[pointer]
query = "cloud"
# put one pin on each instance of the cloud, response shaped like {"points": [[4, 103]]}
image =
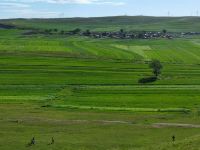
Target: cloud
{"points": [[31, 13], [28, 9], [84, 2], [10, 5], [21, 9], [97, 2]]}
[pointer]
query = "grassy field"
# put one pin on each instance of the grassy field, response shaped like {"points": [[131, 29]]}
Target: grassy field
{"points": [[85, 93]]}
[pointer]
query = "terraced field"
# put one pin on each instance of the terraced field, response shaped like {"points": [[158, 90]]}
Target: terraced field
{"points": [[169, 51], [85, 92]]}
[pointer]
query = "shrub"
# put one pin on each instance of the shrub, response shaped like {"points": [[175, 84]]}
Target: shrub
{"points": [[147, 80]]}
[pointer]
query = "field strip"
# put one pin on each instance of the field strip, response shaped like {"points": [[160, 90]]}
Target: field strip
{"points": [[22, 97], [142, 86], [120, 108], [63, 122], [160, 125], [99, 86]]}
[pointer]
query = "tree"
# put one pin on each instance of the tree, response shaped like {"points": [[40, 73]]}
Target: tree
{"points": [[76, 31], [164, 31], [87, 33], [122, 30], [122, 33], [48, 31], [156, 66]]}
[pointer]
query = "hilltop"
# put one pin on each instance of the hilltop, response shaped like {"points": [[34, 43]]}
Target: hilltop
{"points": [[115, 23]]}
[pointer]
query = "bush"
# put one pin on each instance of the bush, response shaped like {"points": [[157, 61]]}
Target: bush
{"points": [[76, 31], [147, 80]]}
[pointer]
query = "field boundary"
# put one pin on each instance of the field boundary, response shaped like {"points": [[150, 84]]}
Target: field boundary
{"points": [[121, 108]]}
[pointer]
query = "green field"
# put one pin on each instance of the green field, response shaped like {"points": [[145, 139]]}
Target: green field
{"points": [[85, 93]]}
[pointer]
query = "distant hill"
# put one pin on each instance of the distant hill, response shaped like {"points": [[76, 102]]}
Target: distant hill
{"points": [[146, 23]]}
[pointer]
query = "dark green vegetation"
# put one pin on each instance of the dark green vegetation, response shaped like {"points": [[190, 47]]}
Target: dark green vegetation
{"points": [[156, 67], [85, 93]]}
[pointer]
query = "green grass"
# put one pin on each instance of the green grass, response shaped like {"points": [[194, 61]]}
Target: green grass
{"points": [[120, 108], [85, 92], [170, 51], [78, 129]]}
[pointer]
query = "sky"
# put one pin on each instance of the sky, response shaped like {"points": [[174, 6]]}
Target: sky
{"points": [[96, 8]]}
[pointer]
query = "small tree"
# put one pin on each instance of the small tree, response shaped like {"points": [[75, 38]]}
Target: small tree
{"points": [[164, 31], [156, 66], [122, 30], [76, 31], [87, 32]]}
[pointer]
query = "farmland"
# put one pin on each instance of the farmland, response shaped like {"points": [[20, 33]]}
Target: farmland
{"points": [[84, 92]]}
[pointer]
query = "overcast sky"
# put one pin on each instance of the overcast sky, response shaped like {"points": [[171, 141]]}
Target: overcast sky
{"points": [[92, 8]]}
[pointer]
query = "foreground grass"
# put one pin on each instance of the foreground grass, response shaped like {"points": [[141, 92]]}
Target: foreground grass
{"points": [[88, 129]]}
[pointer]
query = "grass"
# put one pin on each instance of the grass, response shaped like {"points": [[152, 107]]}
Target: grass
{"points": [[121, 108], [85, 92], [170, 51], [78, 129]]}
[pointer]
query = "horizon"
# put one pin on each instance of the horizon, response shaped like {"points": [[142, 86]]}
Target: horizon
{"points": [[12, 9], [105, 17]]}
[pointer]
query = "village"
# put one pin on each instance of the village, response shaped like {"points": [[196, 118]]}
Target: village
{"points": [[121, 34], [129, 35], [132, 34], [116, 34]]}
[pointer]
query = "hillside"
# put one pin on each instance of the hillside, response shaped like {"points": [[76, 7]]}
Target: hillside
{"points": [[176, 24], [179, 51], [84, 92]]}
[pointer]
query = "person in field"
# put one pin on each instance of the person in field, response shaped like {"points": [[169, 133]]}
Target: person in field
{"points": [[52, 140], [33, 141], [173, 138]]}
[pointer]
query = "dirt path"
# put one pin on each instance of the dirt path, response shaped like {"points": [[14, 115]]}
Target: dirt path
{"points": [[55, 121], [161, 125], [63, 122]]}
